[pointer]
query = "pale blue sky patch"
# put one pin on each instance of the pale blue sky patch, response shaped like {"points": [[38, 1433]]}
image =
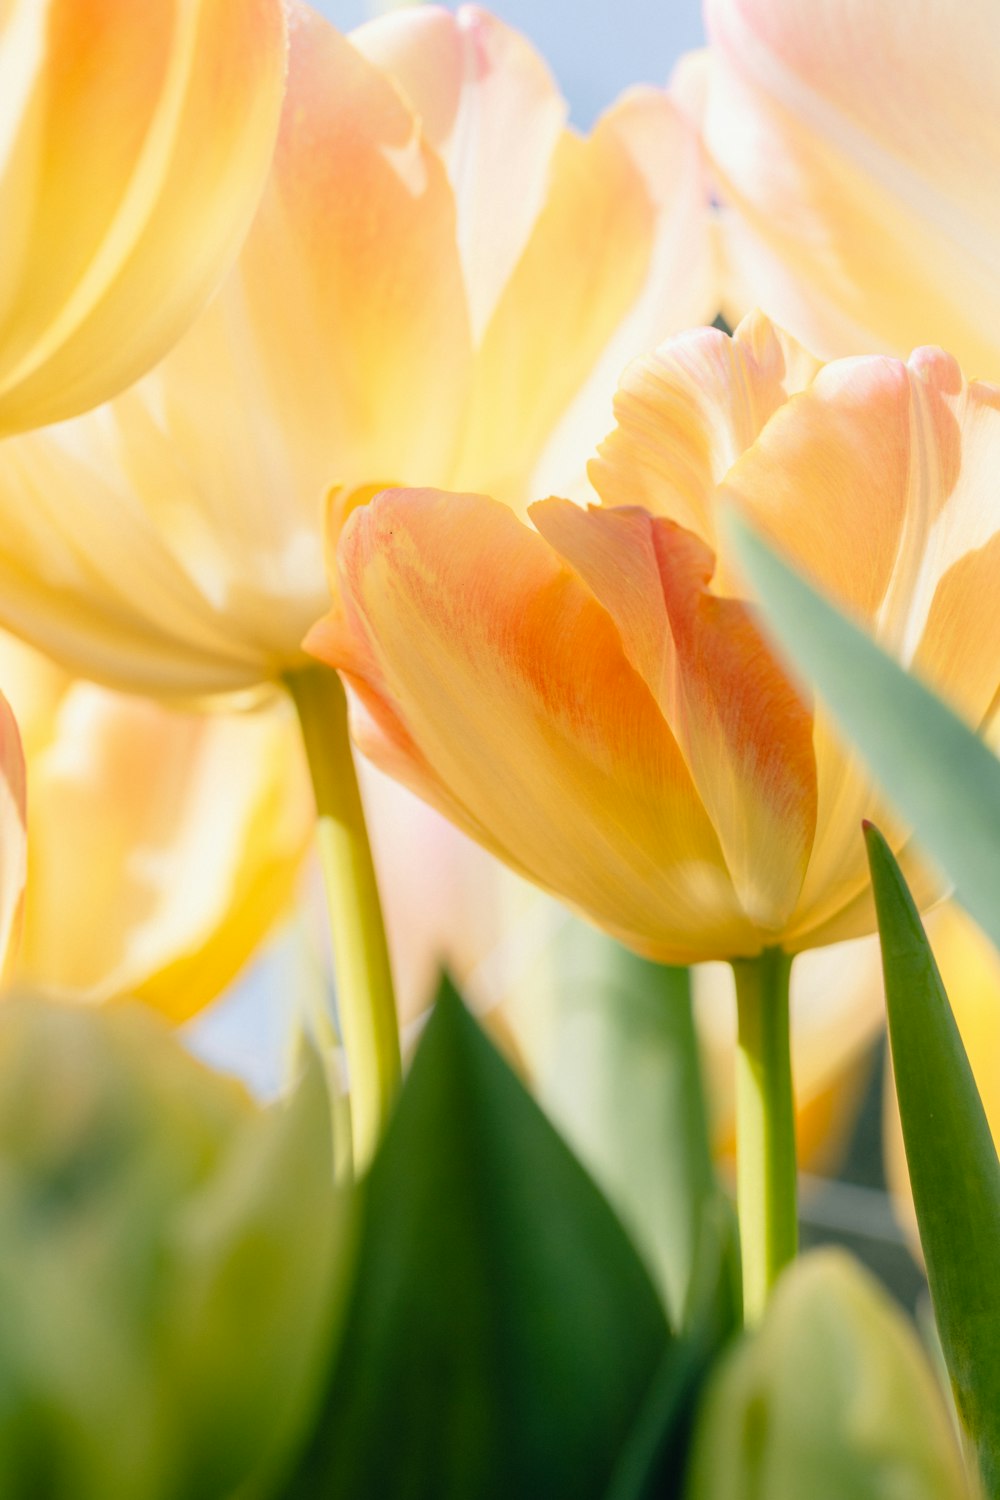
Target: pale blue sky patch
{"points": [[595, 48]]}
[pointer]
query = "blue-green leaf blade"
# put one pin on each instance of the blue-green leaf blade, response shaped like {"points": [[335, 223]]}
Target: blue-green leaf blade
{"points": [[943, 780]]}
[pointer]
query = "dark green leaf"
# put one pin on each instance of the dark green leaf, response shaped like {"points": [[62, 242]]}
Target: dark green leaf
{"points": [[942, 778], [653, 1463], [503, 1332], [952, 1161]]}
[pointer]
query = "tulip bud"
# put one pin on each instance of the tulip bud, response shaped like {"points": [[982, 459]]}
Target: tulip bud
{"points": [[832, 1396]]}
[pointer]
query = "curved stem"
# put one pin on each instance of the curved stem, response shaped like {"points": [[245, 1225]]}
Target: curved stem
{"points": [[365, 1002], [765, 1126]]}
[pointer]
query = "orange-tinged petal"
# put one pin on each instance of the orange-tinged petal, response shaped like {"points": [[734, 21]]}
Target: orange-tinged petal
{"points": [[185, 833], [134, 142], [490, 108], [363, 356], [855, 142], [686, 413], [744, 731], [459, 622], [602, 250]]}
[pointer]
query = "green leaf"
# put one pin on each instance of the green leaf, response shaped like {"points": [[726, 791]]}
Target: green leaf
{"points": [[653, 1462], [169, 1252], [952, 1160], [939, 775], [503, 1332], [625, 1088]]}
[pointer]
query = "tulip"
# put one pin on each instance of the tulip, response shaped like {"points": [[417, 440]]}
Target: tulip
{"points": [[657, 768], [186, 832], [832, 1396], [855, 149], [441, 286], [134, 143]]}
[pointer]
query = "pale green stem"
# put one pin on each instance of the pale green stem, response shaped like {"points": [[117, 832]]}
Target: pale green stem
{"points": [[765, 1127], [365, 1001]]}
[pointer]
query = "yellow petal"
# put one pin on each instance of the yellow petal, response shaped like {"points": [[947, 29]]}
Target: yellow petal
{"points": [[490, 108], [616, 261], [686, 414], [171, 541], [13, 835], [134, 142], [459, 619], [858, 145], [184, 834]]}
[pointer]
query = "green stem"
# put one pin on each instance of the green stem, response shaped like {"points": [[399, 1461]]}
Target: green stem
{"points": [[765, 1126], [365, 1001]]}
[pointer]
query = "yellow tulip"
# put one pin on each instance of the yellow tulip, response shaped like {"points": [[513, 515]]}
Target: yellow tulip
{"points": [[441, 286], [162, 845], [857, 147], [590, 696], [134, 143]]}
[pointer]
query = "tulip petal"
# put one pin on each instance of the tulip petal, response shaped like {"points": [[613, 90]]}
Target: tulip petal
{"points": [[743, 730], [855, 142], [134, 142], [490, 108], [879, 481], [13, 835], [681, 288], [459, 619], [368, 341], [187, 832], [603, 234], [170, 542], [686, 413]]}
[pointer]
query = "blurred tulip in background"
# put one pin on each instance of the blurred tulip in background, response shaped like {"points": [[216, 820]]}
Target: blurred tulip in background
{"points": [[134, 143], [441, 319]]}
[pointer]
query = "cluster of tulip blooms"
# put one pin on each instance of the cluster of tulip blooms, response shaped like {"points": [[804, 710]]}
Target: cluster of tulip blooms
{"points": [[633, 498]]}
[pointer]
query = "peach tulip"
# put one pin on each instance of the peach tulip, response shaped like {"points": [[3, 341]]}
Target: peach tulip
{"points": [[441, 286], [162, 845], [134, 143], [590, 696], [856, 148]]}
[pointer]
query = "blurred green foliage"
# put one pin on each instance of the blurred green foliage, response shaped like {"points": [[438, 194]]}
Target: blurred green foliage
{"points": [[168, 1262]]}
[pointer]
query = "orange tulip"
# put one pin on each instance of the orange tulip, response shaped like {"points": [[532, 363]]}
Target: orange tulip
{"points": [[134, 142], [591, 697], [857, 149], [441, 286]]}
